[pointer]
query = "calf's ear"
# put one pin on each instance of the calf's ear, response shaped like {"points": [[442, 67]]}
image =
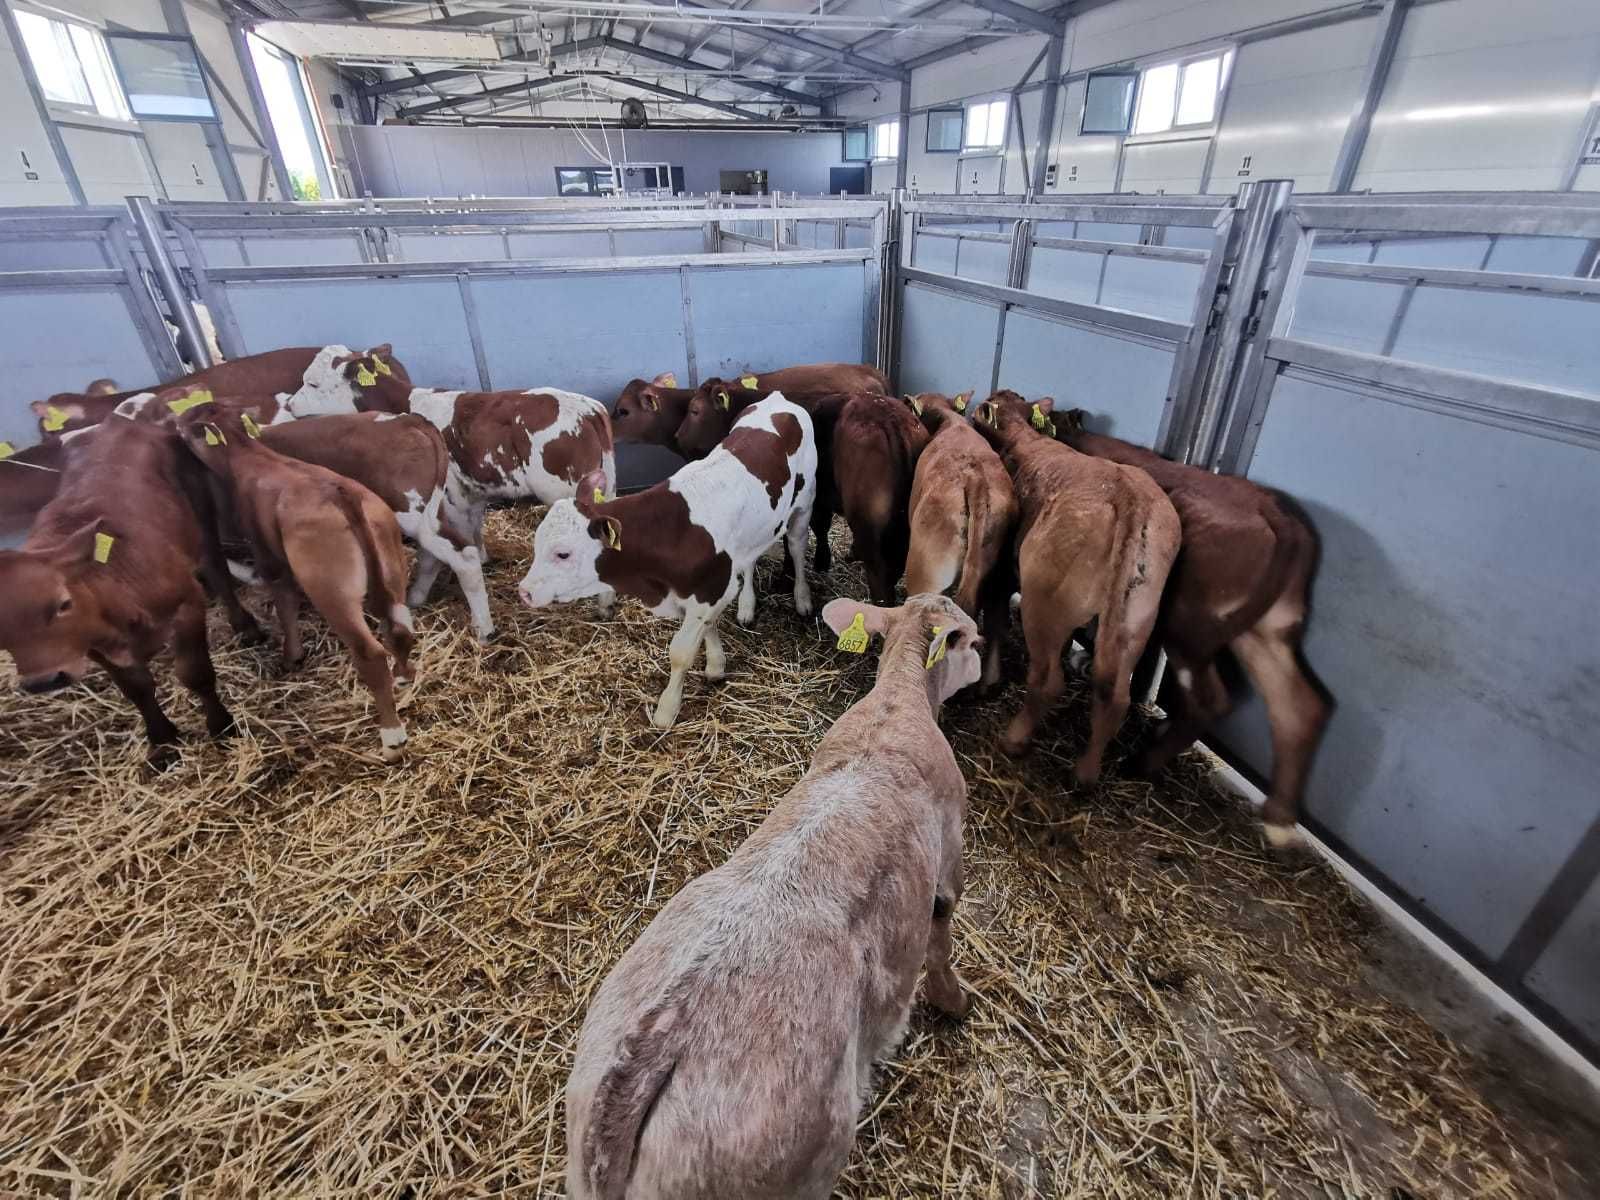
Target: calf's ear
{"points": [[665, 379], [103, 387], [88, 544], [591, 492], [838, 615]]}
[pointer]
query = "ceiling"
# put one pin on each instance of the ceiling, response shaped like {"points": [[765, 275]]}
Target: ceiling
{"points": [[745, 59]]}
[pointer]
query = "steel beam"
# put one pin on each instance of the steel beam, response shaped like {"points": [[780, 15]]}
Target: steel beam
{"points": [[386, 86], [782, 37], [1022, 15], [675, 60], [1047, 111], [1390, 23], [523, 85]]}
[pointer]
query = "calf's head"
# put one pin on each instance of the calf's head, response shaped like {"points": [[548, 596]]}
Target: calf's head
{"points": [[928, 629], [649, 411], [568, 545], [340, 380], [934, 409], [710, 415], [50, 617], [1005, 415]]}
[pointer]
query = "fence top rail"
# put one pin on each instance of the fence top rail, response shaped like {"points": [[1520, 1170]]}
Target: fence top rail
{"points": [[1146, 213], [234, 221], [56, 219], [1132, 199], [1498, 281], [533, 266], [1382, 215]]}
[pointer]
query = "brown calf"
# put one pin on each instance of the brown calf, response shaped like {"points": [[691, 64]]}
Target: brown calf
{"points": [[729, 1052], [962, 515], [254, 375], [650, 412], [1242, 583], [1094, 539], [876, 443], [320, 534], [108, 576], [29, 476]]}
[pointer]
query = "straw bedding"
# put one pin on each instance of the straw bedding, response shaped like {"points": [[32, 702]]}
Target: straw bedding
{"points": [[283, 969]]}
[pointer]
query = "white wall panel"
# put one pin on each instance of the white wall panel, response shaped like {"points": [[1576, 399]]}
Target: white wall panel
{"points": [[1484, 95], [1150, 167], [1128, 29], [994, 66], [109, 165], [22, 133]]}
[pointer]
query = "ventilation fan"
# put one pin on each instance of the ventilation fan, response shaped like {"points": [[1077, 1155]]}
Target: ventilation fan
{"points": [[788, 112], [634, 115]]}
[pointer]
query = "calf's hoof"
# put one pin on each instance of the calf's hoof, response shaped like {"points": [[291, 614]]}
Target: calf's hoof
{"points": [[221, 726], [250, 635], [957, 1005], [161, 757], [1013, 746], [1282, 838], [394, 743], [288, 666], [664, 717], [487, 637]]}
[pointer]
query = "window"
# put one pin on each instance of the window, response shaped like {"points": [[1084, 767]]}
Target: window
{"points": [[986, 124], [856, 144], [586, 181], [72, 65], [283, 87], [1181, 95], [1108, 102], [886, 140], [944, 130], [161, 76]]}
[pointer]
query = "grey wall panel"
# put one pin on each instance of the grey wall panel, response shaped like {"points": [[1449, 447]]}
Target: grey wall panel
{"points": [[660, 241], [57, 341], [1187, 237], [1065, 274], [984, 261], [1465, 253], [1549, 340], [857, 237], [946, 342], [1537, 255], [54, 255], [768, 317], [1151, 285], [1350, 252], [1123, 383], [564, 331], [1456, 584], [300, 251], [422, 317], [559, 244], [1353, 313], [1109, 231], [935, 254], [449, 247], [1567, 974]]}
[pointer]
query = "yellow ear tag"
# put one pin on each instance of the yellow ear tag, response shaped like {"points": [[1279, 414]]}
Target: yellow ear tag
{"points": [[935, 648], [916, 405], [185, 403], [960, 402], [55, 419], [652, 404], [667, 380], [614, 535], [214, 436], [365, 377], [749, 381], [1038, 418], [250, 425], [1050, 428], [599, 496], [854, 638], [723, 398], [381, 367], [6, 450], [102, 547]]}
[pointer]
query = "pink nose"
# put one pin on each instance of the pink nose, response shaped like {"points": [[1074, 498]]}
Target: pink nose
{"points": [[527, 596]]}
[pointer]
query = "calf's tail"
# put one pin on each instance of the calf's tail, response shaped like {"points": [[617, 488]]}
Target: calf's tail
{"points": [[977, 523], [622, 1105]]}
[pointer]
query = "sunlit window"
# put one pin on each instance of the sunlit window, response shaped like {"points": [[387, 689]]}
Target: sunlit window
{"points": [[886, 140], [1181, 95], [986, 125], [72, 65]]}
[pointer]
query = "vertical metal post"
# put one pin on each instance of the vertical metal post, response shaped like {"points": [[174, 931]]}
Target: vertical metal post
{"points": [[148, 225], [216, 138], [1390, 23], [469, 309], [692, 367], [258, 101], [903, 157], [1047, 110], [1260, 205], [58, 146]]}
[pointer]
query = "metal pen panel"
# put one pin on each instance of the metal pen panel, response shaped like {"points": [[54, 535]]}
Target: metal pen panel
{"points": [[947, 341], [1456, 579], [1529, 338], [659, 241], [1145, 285], [769, 316], [422, 316], [1566, 975], [1122, 383]]}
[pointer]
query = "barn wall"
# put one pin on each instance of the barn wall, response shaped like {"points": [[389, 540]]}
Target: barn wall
{"points": [[1481, 96], [404, 160]]}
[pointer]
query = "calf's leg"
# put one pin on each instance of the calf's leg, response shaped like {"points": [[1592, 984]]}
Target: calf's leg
{"points": [[192, 658], [747, 595], [286, 603], [795, 544], [137, 685], [1202, 699], [1047, 623], [716, 661], [685, 645]]}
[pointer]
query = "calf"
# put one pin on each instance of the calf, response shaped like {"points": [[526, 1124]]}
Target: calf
{"points": [[320, 534], [876, 444], [522, 445], [108, 577], [253, 375], [1242, 583], [1094, 539], [650, 412], [729, 1051], [962, 515], [683, 545], [29, 476]]}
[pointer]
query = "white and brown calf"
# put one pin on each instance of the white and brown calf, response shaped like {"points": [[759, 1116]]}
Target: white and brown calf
{"points": [[683, 546], [729, 1052]]}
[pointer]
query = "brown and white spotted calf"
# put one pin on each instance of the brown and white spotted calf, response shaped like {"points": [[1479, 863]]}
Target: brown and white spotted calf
{"points": [[253, 375], [513, 445], [683, 546], [108, 576], [729, 1052], [316, 533], [1243, 584], [1094, 539], [963, 512]]}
